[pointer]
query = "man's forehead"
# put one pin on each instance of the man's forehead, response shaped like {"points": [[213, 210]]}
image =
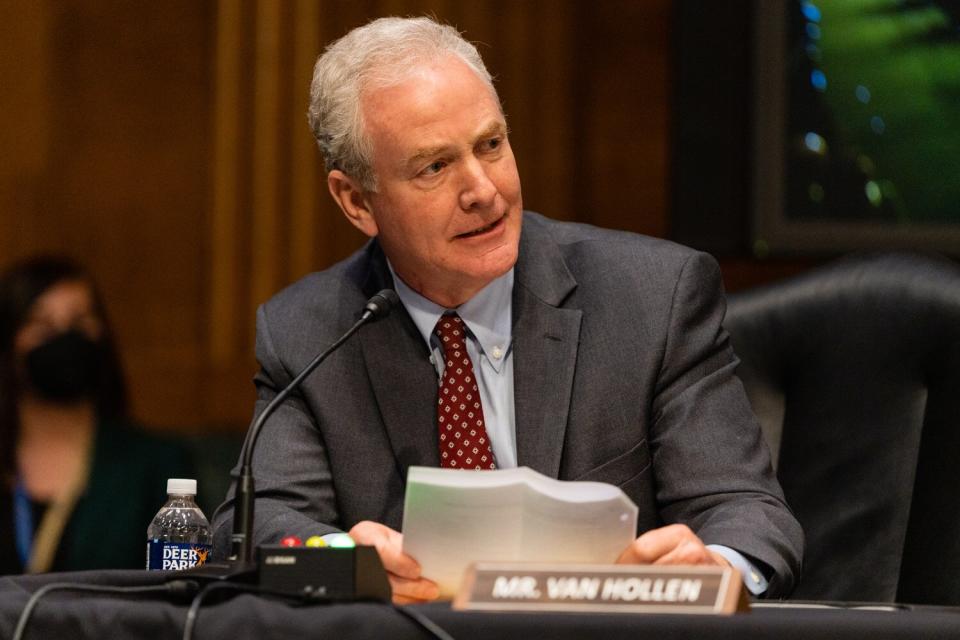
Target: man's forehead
{"points": [[421, 90], [441, 106]]}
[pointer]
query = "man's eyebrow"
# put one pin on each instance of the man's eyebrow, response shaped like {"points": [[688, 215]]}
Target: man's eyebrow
{"points": [[428, 152], [494, 129]]}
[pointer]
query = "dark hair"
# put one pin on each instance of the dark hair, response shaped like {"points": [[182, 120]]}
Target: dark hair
{"points": [[20, 286]]}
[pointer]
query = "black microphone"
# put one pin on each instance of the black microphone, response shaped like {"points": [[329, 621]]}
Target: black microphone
{"points": [[241, 548]]}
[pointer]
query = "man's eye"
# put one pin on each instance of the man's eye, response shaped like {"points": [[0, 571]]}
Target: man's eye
{"points": [[493, 143], [434, 168]]}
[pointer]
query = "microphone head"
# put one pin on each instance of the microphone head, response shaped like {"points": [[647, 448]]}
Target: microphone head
{"points": [[382, 303]]}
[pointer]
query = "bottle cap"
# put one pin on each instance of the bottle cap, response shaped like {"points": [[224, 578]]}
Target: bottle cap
{"points": [[182, 487]]}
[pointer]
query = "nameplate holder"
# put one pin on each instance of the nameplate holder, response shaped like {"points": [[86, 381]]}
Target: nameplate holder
{"points": [[601, 588]]}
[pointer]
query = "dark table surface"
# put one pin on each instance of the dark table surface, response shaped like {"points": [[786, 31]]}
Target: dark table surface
{"points": [[68, 614]]}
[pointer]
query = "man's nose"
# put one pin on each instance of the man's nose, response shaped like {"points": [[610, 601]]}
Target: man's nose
{"points": [[478, 189]]}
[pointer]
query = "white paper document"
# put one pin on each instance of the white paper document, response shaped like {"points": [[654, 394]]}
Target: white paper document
{"points": [[453, 517]]}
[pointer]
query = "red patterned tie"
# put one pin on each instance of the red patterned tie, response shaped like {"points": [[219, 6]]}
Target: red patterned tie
{"points": [[463, 438]]}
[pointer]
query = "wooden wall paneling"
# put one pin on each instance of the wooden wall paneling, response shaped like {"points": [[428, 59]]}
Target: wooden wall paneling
{"points": [[307, 175], [266, 158], [508, 60], [167, 146], [25, 106], [125, 190], [549, 52], [436, 8], [224, 243], [336, 238], [228, 394], [624, 114], [479, 22]]}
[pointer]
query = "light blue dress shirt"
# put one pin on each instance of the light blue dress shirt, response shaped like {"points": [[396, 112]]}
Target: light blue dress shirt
{"points": [[489, 322], [487, 317]]}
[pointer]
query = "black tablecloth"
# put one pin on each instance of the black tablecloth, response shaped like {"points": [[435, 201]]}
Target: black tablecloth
{"points": [[78, 615]]}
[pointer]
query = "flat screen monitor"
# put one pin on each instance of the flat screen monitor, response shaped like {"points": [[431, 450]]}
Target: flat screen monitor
{"points": [[856, 125]]}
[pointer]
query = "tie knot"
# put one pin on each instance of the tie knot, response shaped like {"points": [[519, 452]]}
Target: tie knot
{"points": [[450, 330]]}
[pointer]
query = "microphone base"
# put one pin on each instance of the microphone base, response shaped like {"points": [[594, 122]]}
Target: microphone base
{"points": [[318, 575], [327, 573]]}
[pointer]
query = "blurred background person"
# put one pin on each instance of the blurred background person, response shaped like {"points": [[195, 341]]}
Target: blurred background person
{"points": [[79, 483]]}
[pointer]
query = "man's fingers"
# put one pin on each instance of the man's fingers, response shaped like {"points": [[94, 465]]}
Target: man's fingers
{"points": [[673, 544], [389, 546], [656, 543], [686, 552], [403, 572], [396, 561], [407, 591]]}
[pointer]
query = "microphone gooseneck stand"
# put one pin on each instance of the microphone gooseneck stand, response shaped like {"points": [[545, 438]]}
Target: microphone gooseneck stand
{"points": [[242, 550]]}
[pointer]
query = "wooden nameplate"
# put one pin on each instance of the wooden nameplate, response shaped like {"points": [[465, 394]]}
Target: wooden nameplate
{"points": [[601, 588]]}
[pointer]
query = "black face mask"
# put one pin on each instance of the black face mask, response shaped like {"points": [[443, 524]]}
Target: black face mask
{"points": [[65, 368]]}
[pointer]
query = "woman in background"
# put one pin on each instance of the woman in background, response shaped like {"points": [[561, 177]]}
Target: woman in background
{"points": [[79, 484]]}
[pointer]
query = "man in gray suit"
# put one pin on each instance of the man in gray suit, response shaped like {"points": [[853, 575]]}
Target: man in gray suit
{"points": [[597, 355]]}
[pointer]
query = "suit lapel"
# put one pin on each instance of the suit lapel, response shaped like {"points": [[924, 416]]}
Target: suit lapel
{"points": [[403, 381], [545, 342]]}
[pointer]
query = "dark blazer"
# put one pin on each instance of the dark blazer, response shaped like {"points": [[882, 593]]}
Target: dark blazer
{"points": [[108, 526], [622, 374]]}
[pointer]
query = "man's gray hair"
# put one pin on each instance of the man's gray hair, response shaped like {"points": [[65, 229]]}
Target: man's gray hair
{"points": [[379, 54]]}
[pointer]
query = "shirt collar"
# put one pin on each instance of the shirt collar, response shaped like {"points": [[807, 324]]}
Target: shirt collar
{"points": [[487, 314]]}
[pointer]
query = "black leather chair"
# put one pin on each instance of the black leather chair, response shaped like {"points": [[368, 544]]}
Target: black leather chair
{"points": [[854, 372]]}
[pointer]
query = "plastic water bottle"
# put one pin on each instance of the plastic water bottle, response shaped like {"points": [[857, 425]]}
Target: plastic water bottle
{"points": [[179, 536]]}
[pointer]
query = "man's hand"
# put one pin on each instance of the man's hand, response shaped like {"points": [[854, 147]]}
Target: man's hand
{"points": [[402, 570], [673, 544]]}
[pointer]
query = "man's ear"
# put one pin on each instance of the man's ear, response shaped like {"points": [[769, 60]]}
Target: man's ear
{"points": [[353, 202]]}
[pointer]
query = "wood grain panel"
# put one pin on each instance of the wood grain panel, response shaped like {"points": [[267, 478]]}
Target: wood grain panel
{"points": [[166, 146], [307, 175], [266, 156], [24, 134], [224, 293], [123, 105], [623, 115]]}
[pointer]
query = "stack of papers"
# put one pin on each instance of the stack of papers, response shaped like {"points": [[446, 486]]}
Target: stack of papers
{"points": [[454, 517]]}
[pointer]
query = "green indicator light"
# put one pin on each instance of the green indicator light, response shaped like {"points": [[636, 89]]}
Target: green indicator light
{"points": [[341, 541]]}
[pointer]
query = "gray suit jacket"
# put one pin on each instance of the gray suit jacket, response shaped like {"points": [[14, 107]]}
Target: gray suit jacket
{"points": [[622, 374]]}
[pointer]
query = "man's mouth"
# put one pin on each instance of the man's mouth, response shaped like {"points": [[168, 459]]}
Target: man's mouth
{"points": [[481, 230]]}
